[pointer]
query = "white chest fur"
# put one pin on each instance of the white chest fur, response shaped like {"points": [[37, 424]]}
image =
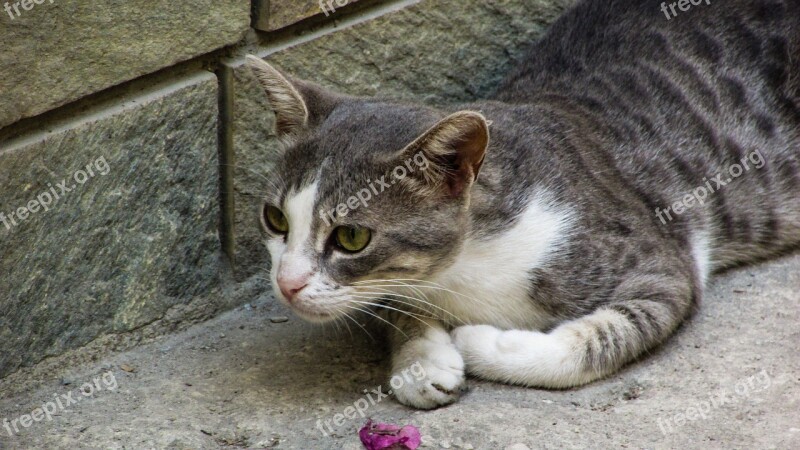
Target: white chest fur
{"points": [[491, 277]]}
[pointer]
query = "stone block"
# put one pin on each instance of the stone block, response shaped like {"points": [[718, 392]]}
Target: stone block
{"points": [[271, 15], [60, 51], [111, 224]]}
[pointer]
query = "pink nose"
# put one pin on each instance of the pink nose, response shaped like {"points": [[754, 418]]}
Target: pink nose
{"points": [[291, 285]]}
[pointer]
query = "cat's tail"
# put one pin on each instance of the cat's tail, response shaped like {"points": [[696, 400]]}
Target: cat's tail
{"points": [[582, 350]]}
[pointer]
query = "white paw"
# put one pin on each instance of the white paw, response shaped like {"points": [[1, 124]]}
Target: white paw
{"points": [[476, 343], [428, 374], [515, 356]]}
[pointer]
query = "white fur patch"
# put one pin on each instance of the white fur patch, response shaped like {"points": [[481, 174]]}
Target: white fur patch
{"points": [[701, 252], [533, 358], [294, 257], [492, 277], [300, 213]]}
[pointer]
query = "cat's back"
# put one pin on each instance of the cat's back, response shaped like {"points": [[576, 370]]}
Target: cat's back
{"points": [[596, 38], [677, 99]]}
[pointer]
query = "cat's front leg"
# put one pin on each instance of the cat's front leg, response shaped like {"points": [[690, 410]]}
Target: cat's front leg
{"points": [[647, 309], [426, 361]]}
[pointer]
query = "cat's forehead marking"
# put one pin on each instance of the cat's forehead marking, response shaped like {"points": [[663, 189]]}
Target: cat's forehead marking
{"points": [[300, 213]]}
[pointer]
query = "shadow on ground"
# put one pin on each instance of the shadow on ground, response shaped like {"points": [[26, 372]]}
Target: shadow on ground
{"points": [[730, 378]]}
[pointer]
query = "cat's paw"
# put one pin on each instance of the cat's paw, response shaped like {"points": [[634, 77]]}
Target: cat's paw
{"points": [[518, 356], [435, 377]]}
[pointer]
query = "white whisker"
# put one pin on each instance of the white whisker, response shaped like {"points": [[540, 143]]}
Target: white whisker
{"points": [[344, 314], [394, 294], [377, 317]]}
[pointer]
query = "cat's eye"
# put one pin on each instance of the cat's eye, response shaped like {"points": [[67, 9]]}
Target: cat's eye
{"points": [[275, 219], [352, 239]]}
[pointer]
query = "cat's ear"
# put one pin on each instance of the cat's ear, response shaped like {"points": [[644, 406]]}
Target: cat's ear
{"points": [[291, 111], [453, 151]]}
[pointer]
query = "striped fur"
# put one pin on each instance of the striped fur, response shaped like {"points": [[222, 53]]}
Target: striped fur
{"points": [[559, 264]]}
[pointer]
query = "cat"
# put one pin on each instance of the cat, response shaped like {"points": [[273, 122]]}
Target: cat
{"points": [[560, 229]]}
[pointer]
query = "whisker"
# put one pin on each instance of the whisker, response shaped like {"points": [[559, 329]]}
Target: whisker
{"points": [[427, 301], [436, 286], [393, 294], [377, 317], [416, 290], [336, 322], [381, 305], [430, 315], [378, 305], [344, 314]]}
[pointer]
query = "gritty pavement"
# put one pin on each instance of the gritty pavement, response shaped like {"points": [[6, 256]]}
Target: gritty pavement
{"points": [[730, 378]]}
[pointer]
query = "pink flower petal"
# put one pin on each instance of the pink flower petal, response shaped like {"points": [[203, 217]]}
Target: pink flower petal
{"points": [[384, 436]]}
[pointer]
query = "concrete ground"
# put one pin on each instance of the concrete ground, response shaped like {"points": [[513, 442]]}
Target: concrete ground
{"points": [[730, 378]]}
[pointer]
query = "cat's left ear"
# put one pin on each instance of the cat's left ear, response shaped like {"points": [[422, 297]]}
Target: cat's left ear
{"points": [[291, 112], [297, 104], [453, 151]]}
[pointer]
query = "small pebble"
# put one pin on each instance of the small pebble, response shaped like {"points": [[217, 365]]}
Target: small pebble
{"points": [[66, 381], [279, 319], [127, 368]]}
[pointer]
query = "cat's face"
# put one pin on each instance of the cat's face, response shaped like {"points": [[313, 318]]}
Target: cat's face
{"points": [[366, 195]]}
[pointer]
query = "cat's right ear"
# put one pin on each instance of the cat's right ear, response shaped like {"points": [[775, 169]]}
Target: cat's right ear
{"points": [[451, 153], [291, 110]]}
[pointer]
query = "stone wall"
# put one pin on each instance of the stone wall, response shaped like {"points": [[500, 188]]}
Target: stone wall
{"points": [[152, 142]]}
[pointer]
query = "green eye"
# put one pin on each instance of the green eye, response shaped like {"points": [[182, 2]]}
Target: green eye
{"points": [[352, 239], [275, 219]]}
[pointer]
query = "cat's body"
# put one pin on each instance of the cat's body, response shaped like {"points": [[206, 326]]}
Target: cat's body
{"points": [[562, 255]]}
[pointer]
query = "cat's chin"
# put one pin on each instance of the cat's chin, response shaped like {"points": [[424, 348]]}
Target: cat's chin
{"points": [[306, 311], [313, 316]]}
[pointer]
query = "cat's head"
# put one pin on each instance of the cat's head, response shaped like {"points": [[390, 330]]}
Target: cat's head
{"points": [[364, 190]]}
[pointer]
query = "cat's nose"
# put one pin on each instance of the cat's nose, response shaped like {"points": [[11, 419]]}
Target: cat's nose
{"points": [[291, 285]]}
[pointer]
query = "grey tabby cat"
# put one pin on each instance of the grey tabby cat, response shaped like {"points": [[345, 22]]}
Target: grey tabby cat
{"points": [[557, 231]]}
